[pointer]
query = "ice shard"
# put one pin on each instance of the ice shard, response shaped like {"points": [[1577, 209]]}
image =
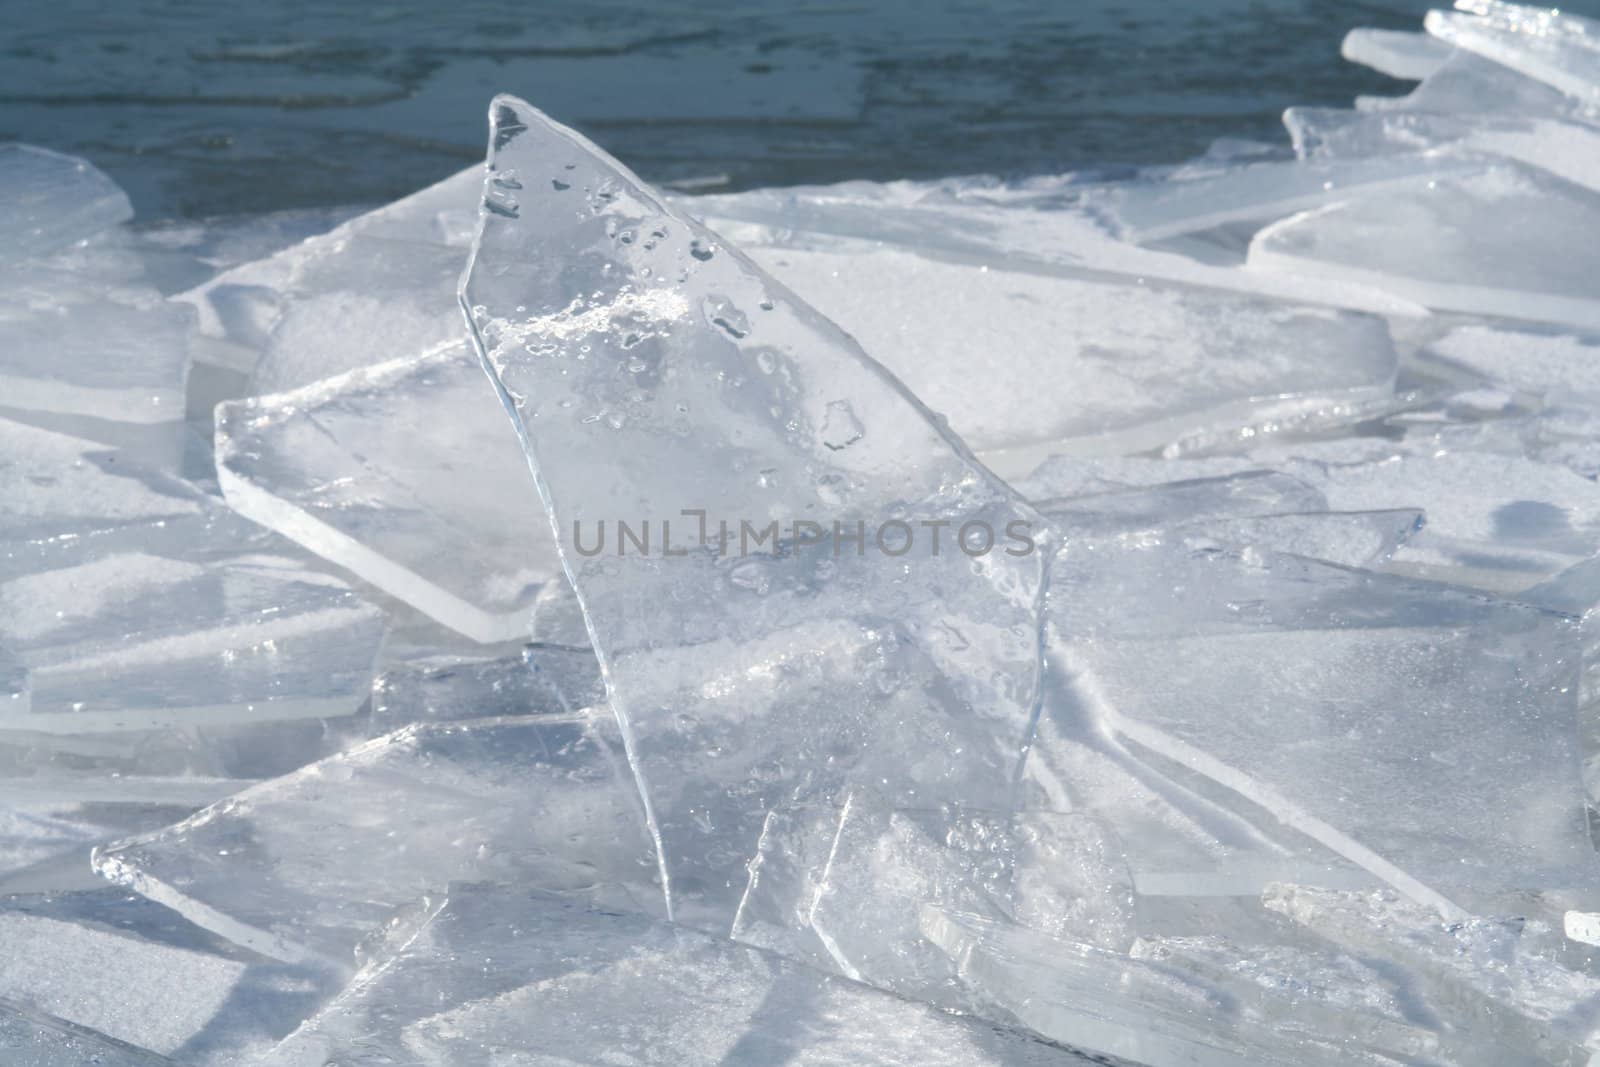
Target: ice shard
{"points": [[522, 978], [1505, 242], [1560, 49], [52, 200], [309, 865], [399, 473], [658, 377]]}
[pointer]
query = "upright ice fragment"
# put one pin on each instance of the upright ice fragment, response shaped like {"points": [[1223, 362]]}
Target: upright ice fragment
{"points": [[400, 473], [659, 379], [1397, 54], [48, 200]]}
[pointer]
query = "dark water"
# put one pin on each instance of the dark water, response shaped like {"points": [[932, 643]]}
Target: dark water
{"points": [[215, 108]]}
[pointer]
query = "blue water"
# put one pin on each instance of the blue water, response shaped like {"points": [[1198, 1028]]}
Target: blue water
{"points": [[228, 107]]}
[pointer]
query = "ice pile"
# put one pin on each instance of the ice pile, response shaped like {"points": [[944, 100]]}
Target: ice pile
{"points": [[544, 621]]}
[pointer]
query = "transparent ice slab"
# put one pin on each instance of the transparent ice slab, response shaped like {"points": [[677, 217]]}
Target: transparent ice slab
{"points": [[654, 372], [533, 680], [1506, 242], [177, 1000], [520, 979], [310, 864], [1560, 50], [1362, 711], [52, 200], [1399, 54], [399, 472], [32, 1039], [1026, 364]]}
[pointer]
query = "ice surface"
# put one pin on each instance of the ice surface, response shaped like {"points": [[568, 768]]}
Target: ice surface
{"points": [[1505, 242], [1553, 366], [1560, 50], [170, 999], [1470, 85], [311, 864], [1398, 54], [399, 472], [52, 200], [1025, 364], [32, 1039], [652, 370], [522, 979]]}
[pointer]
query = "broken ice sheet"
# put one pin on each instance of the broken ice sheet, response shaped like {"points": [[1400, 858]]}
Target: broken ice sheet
{"points": [[1026, 364], [1505, 241], [1362, 711], [310, 864], [1553, 366], [77, 962], [34, 1039], [399, 472], [52, 200], [1559, 49], [652, 369], [520, 979], [842, 888]]}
